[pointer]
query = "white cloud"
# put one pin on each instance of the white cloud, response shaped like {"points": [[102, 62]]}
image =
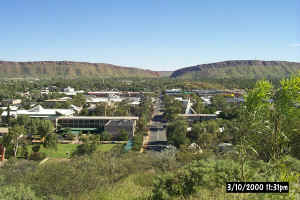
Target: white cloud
{"points": [[295, 45]]}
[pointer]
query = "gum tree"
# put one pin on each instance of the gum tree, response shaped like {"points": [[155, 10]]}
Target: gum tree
{"points": [[271, 115]]}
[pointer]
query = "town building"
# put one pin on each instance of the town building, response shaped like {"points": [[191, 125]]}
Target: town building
{"points": [[39, 112], [71, 91], [98, 124]]}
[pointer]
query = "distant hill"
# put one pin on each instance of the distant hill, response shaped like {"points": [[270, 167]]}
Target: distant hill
{"points": [[246, 69], [165, 73], [69, 69]]}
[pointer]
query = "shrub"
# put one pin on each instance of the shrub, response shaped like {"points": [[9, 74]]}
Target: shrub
{"points": [[85, 148], [37, 156], [36, 148], [17, 192]]}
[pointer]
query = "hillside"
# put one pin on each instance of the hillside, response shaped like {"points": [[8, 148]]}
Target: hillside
{"points": [[246, 69], [165, 73], [69, 69]]}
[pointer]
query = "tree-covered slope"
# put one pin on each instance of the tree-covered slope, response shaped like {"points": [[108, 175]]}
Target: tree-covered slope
{"points": [[248, 69], [69, 69]]}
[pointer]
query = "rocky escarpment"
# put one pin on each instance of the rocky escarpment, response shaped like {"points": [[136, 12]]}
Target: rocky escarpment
{"points": [[239, 69], [69, 69]]}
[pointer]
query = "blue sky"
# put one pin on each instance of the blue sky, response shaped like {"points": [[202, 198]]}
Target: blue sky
{"points": [[152, 34]]}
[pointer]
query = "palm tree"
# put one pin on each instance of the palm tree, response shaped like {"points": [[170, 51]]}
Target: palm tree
{"points": [[48, 138]]}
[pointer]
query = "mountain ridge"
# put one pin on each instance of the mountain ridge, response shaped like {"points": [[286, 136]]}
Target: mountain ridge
{"points": [[70, 69], [251, 69], [239, 69]]}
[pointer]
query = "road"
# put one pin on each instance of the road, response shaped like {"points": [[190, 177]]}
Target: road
{"points": [[157, 136]]}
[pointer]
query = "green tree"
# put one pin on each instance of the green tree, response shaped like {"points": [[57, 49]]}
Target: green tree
{"points": [[33, 128], [79, 100], [123, 135], [105, 136], [268, 113], [172, 108], [219, 102], [177, 132], [16, 134], [198, 104], [45, 130], [87, 148], [196, 131]]}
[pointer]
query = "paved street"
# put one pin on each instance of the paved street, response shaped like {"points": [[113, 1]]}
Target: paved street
{"points": [[157, 138]]}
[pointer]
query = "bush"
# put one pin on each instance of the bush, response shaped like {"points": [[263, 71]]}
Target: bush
{"points": [[137, 142], [85, 148], [36, 148], [105, 136], [209, 174], [37, 156], [17, 192]]}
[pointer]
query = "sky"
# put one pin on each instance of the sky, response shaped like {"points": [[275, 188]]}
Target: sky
{"points": [[152, 34]]}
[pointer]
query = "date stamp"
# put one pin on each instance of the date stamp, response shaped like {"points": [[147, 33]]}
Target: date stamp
{"points": [[257, 187]]}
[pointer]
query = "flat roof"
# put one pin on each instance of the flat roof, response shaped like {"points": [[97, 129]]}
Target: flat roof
{"points": [[100, 117]]}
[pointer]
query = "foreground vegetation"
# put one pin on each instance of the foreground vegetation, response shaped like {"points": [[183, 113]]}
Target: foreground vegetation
{"points": [[119, 175]]}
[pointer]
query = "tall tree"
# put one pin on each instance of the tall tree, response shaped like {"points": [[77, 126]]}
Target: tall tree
{"points": [[198, 104], [15, 136], [45, 130], [177, 132], [79, 100], [268, 113]]}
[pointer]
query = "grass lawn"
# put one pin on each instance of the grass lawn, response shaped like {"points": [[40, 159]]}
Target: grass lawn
{"points": [[63, 149]]}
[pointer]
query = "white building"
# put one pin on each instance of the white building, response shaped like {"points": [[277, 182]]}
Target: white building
{"points": [[40, 112], [174, 90], [45, 91], [71, 91], [206, 100]]}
